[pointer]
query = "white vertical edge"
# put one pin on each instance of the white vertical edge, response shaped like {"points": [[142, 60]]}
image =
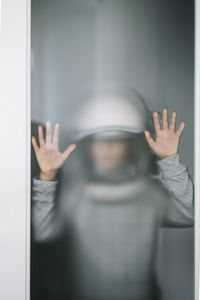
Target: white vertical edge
{"points": [[15, 150], [28, 148], [197, 147]]}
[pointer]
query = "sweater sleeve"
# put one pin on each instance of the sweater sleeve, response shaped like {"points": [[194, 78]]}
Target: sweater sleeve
{"points": [[179, 209], [46, 225]]}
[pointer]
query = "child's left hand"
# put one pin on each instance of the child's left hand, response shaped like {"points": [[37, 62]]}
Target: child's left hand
{"points": [[167, 140]]}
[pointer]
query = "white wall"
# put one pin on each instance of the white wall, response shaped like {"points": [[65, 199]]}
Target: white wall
{"points": [[15, 150]]}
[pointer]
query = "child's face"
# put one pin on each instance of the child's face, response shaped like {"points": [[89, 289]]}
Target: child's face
{"points": [[108, 155]]}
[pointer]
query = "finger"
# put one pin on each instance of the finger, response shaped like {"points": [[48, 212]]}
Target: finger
{"points": [[35, 145], [48, 132], [56, 134], [180, 129], [173, 121], [164, 119], [156, 121], [69, 149], [149, 139], [40, 136]]}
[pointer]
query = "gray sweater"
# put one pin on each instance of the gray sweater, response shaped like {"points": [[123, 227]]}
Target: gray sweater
{"points": [[111, 229]]}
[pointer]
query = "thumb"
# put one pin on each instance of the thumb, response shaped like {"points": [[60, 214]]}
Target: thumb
{"points": [[69, 149], [149, 138]]}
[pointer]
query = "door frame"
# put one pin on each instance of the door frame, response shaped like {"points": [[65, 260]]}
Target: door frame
{"points": [[15, 120]]}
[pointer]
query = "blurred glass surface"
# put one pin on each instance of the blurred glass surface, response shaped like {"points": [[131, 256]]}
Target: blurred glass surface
{"points": [[99, 68]]}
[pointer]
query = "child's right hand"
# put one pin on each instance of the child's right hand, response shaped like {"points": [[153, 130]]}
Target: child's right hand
{"points": [[49, 158]]}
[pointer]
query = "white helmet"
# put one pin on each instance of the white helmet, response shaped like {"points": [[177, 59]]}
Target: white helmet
{"points": [[112, 113]]}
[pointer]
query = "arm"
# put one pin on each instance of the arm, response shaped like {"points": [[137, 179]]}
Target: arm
{"points": [[45, 220], [179, 206], [45, 224], [175, 177]]}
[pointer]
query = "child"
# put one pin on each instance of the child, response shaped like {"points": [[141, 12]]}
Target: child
{"points": [[110, 215]]}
